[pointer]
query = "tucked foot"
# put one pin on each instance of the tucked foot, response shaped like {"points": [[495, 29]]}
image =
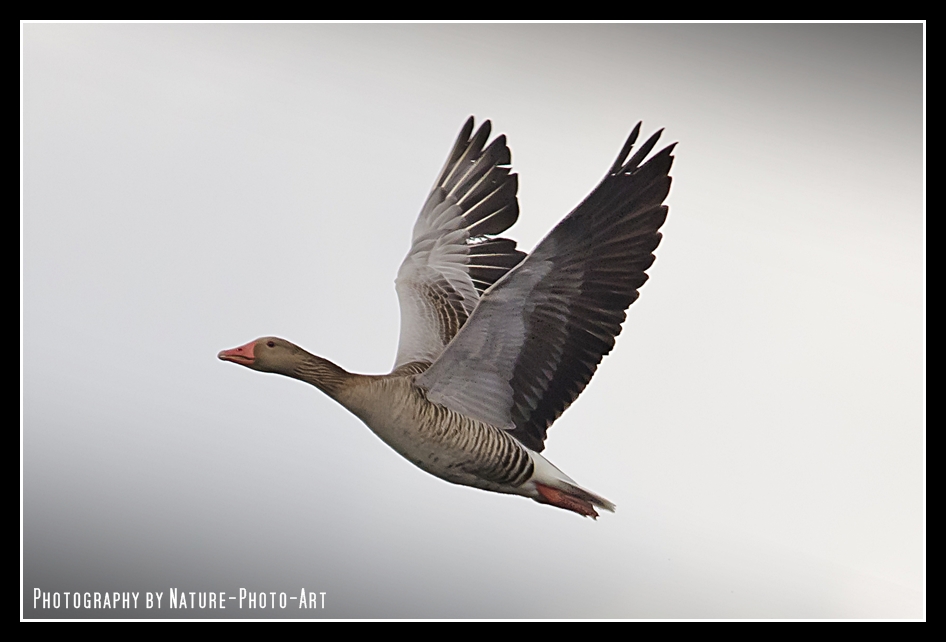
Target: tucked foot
{"points": [[564, 500]]}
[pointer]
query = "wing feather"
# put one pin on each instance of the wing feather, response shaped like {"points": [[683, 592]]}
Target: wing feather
{"points": [[454, 257], [537, 335]]}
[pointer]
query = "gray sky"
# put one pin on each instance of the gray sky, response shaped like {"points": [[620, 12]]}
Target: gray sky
{"points": [[760, 423]]}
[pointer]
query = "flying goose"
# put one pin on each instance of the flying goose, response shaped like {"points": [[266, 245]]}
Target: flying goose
{"points": [[494, 344]]}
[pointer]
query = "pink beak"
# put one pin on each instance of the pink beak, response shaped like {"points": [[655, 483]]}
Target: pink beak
{"points": [[242, 355]]}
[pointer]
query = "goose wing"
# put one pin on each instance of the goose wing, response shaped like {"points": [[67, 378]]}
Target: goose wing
{"points": [[454, 256], [537, 336]]}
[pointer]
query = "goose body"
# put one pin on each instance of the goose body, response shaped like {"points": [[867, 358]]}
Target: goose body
{"points": [[495, 345]]}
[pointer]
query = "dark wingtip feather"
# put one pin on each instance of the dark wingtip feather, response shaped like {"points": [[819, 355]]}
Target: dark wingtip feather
{"points": [[461, 143], [463, 139], [485, 128], [500, 149], [641, 154], [628, 145]]}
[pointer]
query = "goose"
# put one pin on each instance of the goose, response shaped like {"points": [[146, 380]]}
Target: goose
{"points": [[495, 344]]}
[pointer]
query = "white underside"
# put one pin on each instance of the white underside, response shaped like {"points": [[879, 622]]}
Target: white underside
{"points": [[547, 474]]}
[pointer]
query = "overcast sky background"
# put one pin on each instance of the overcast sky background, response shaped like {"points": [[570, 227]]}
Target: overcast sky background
{"points": [[760, 424]]}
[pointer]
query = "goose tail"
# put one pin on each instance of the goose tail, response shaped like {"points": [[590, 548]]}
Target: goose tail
{"points": [[552, 486]]}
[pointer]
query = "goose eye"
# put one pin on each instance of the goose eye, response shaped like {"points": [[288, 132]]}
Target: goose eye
{"points": [[271, 344]]}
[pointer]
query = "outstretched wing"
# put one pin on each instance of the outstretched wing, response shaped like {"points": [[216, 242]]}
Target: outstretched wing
{"points": [[536, 338], [454, 257]]}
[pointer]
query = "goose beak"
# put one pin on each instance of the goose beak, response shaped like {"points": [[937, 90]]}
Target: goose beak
{"points": [[242, 355]]}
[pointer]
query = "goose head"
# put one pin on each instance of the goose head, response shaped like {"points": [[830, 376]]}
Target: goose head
{"points": [[268, 354]]}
